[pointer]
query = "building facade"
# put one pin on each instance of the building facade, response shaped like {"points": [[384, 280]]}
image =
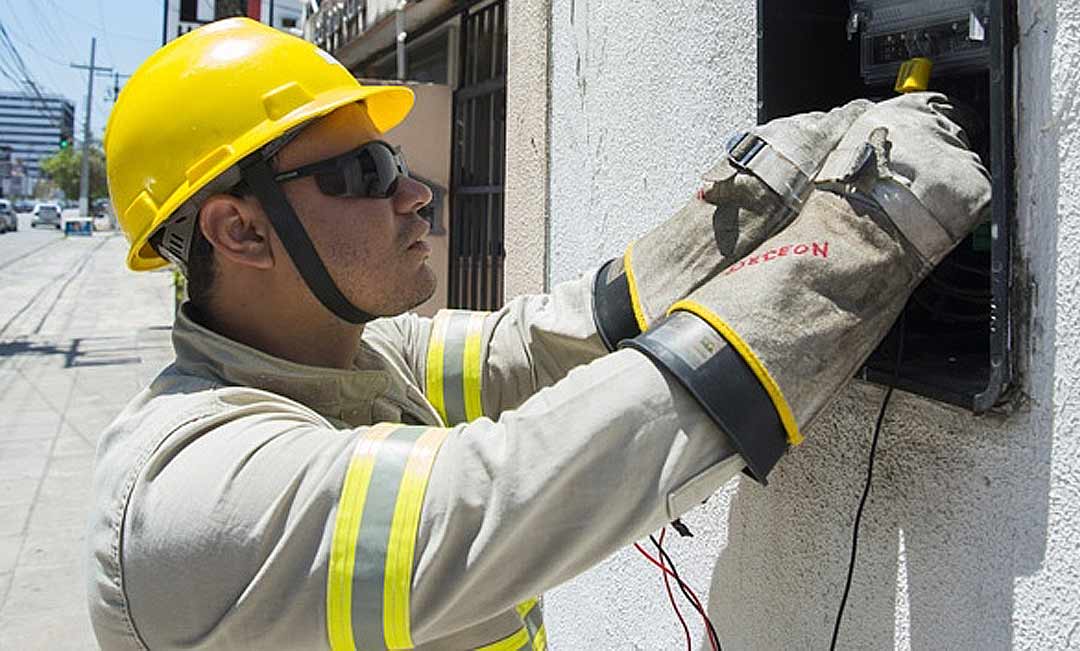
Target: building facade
{"points": [[610, 113], [968, 538], [182, 16], [33, 127]]}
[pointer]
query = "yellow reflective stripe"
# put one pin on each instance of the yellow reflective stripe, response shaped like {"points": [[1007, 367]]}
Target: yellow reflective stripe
{"points": [[473, 364], [771, 387], [631, 281], [539, 642], [401, 548], [434, 368], [524, 607], [512, 643], [343, 544]]}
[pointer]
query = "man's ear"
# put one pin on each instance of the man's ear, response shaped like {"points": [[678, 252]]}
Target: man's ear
{"points": [[238, 231]]}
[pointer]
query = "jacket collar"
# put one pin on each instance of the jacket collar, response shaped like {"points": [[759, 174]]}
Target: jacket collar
{"points": [[358, 396]]}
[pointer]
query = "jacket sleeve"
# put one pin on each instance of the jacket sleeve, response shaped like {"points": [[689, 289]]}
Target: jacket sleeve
{"points": [[295, 534], [472, 364], [518, 505]]}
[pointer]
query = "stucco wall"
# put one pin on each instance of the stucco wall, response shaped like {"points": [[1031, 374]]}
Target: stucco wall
{"points": [[970, 536]]}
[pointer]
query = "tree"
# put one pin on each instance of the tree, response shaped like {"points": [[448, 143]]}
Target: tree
{"points": [[45, 190], [65, 166]]}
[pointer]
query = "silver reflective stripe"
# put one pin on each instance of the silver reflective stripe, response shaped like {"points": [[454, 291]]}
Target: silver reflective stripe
{"points": [[532, 615], [454, 372], [454, 368], [369, 575], [534, 621], [516, 641]]}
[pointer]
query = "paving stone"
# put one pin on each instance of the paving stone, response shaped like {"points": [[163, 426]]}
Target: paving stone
{"points": [[53, 630], [67, 487], [20, 449], [35, 590], [80, 465], [9, 552], [23, 468], [51, 514], [29, 431], [14, 414], [18, 491], [57, 547], [69, 444], [13, 518]]}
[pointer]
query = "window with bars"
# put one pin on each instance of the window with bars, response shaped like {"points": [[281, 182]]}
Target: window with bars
{"points": [[479, 161]]}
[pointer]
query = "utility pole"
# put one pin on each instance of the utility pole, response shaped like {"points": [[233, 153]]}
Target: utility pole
{"points": [[116, 85], [84, 177]]}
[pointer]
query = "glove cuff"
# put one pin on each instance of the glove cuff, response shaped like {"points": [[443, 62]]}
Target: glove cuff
{"points": [[728, 386], [616, 312]]}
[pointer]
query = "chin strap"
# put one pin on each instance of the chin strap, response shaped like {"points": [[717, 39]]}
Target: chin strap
{"points": [[256, 171]]}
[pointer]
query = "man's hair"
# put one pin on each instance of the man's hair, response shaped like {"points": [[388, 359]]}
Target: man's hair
{"points": [[201, 265], [201, 270]]}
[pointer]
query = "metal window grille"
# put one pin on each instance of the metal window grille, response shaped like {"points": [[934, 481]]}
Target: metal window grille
{"points": [[479, 161]]}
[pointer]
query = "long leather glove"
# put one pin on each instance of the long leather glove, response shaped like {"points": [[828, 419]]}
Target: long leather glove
{"points": [[766, 344], [750, 195]]}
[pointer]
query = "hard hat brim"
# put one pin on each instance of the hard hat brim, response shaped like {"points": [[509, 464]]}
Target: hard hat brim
{"points": [[386, 106]]}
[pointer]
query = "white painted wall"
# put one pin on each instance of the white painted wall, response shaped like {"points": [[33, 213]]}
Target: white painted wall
{"points": [[970, 539]]}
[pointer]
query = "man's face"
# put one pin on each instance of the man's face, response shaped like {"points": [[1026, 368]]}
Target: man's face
{"points": [[373, 248]]}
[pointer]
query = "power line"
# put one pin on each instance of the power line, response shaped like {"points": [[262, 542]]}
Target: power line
{"points": [[108, 41], [24, 72], [46, 24], [100, 26]]}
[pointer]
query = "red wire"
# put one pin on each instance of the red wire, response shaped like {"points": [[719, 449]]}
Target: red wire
{"points": [[671, 598], [693, 596], [666, 571]]}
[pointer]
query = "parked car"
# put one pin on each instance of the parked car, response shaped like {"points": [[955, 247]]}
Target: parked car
{"points": [[47, 214], [103, 215], [9, 221]]}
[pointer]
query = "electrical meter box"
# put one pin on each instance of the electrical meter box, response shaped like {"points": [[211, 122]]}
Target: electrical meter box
{"points": [[817, 54]]}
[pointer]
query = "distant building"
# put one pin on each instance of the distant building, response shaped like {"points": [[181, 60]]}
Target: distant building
{"points": [[182, 16], [33, 127]]}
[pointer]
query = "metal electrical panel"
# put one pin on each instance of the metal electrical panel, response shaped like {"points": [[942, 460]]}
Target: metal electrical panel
{"points": [[817, 54], [952, 33]]}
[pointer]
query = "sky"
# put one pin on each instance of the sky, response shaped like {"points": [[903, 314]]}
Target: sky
{"points": [[51, 34]]}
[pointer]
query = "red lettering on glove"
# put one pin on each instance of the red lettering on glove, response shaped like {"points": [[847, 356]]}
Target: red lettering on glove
{"points": [[815, 249]]}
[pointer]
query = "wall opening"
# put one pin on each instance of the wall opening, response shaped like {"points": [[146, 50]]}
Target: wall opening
{"points": [[957, 325]]}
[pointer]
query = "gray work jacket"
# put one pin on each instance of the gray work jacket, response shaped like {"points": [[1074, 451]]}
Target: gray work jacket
{"points": [[423, 498]]}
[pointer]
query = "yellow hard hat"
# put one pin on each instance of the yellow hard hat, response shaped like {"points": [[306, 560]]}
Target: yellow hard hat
{"points": [[203, 102]]}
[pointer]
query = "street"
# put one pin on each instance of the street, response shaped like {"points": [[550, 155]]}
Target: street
{"points": [[79, 336]]}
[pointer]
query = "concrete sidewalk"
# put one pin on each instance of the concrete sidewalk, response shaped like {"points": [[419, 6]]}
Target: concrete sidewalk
{"points": [[79, 336]]}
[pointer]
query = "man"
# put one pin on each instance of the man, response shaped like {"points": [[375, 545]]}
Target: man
{"points": [[309, 473]]}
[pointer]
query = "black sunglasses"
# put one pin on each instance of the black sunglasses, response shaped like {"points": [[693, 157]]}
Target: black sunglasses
{"points": [[371, 171]]}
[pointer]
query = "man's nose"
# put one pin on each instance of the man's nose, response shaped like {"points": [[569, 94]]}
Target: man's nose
{"points": [[411, 195]]}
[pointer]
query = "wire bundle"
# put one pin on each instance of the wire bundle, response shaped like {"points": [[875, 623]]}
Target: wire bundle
{"points": [[667, 568]]}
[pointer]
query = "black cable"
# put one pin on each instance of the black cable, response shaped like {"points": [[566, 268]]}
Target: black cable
{"points": [[866, 487], [709, 629]]}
